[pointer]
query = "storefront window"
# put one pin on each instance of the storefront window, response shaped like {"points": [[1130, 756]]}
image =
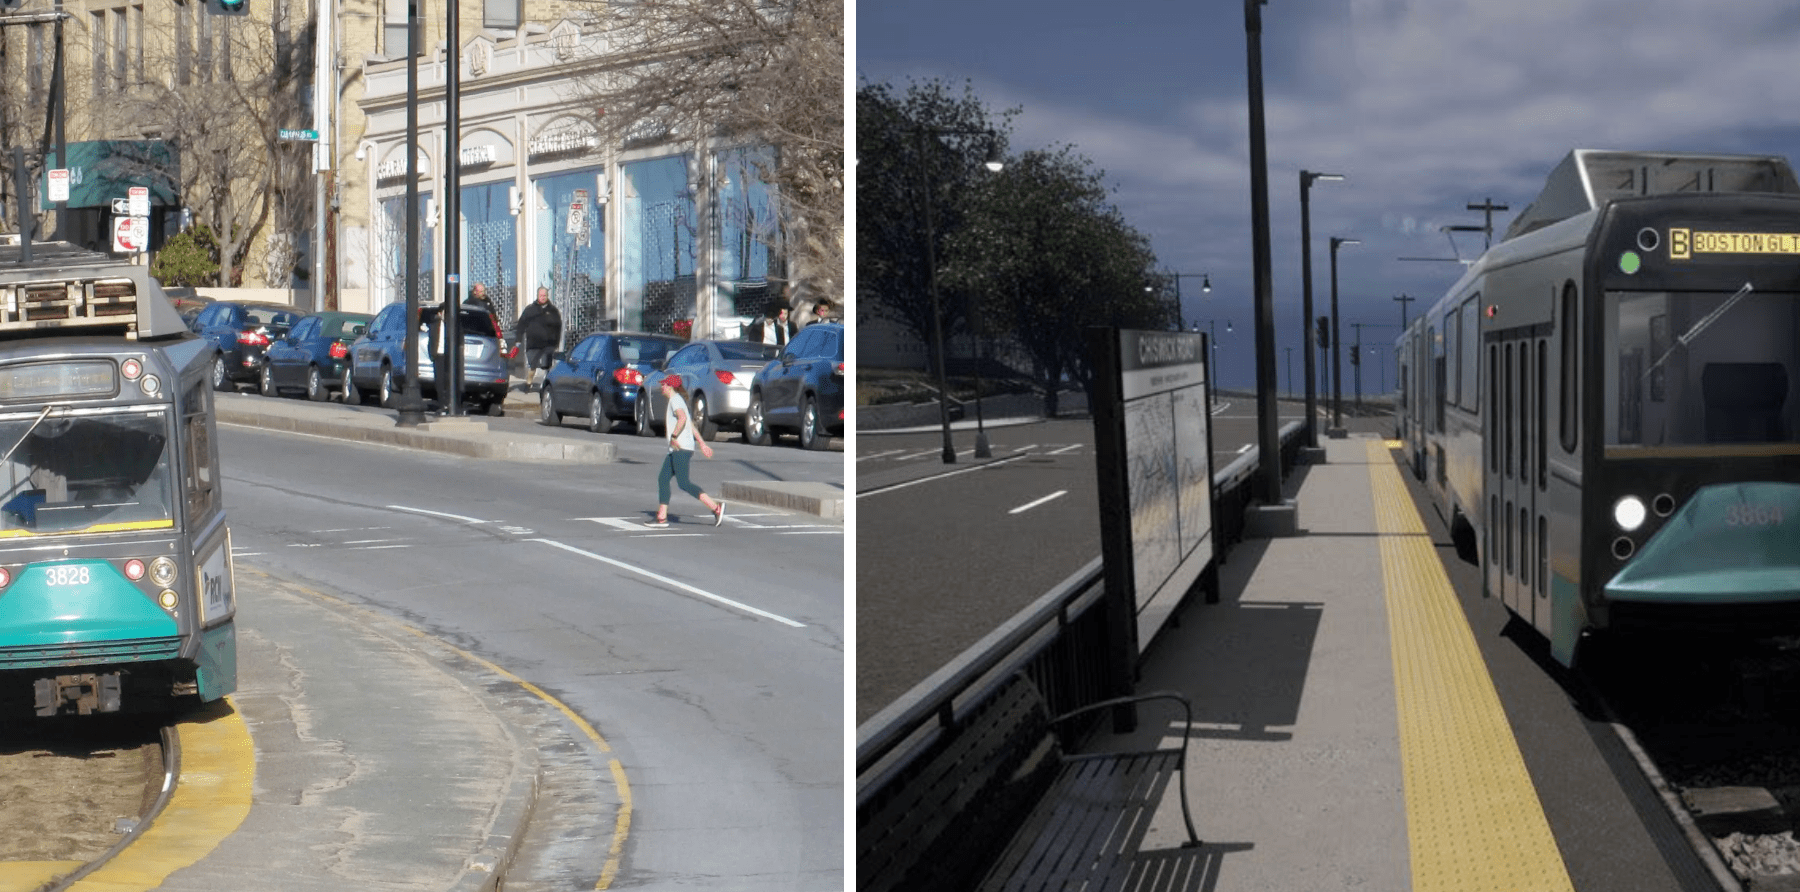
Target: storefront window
{"points": [[748, 253], [390, 251], [491, 246], [570, 255], [657, 247]]}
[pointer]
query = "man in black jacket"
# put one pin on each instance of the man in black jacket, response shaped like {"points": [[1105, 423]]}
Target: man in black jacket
{"points": [[540, 327]]}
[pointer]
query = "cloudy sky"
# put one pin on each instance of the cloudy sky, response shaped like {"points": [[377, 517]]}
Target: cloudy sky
{"points": [[1426, 106]]}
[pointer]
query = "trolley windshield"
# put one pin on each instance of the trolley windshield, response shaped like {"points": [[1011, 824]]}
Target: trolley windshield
{"points": [[86, 471], [1702, 368]]}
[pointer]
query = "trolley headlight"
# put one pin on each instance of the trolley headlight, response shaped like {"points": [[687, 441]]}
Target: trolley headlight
{"points": [[1629, 513], [150, 385], [162, 571], [168, 600]]}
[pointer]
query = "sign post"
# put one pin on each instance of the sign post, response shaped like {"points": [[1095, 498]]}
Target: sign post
{"points": [[1153, 454]]}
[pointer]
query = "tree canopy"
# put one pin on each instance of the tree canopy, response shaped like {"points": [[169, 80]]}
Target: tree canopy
{"points": [[1033, 254]]}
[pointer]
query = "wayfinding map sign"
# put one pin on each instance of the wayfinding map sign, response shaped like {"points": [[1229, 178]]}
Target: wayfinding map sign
{"points": [[1153, 442]]}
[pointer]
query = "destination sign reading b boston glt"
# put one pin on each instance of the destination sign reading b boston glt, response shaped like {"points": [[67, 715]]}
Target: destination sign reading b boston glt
{"points": [[1685, 243]]}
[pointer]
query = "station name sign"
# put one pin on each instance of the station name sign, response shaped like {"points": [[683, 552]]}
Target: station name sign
{"points": [[1685, 244], [52, 380]]}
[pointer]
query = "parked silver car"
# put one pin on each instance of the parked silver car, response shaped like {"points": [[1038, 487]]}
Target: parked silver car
{"points": [[717, 375]]}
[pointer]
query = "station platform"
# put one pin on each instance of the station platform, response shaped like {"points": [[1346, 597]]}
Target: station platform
{"points": [[1362, 721], [360, 753]]}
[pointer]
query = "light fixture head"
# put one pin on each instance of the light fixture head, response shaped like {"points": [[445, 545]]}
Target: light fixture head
{"points": [[1205, 284], [995, 163]]}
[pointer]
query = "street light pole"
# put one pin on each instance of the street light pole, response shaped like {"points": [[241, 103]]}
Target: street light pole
{"points": [[937, 313], [1306, 320], [1268, 438], [1337, 343]]}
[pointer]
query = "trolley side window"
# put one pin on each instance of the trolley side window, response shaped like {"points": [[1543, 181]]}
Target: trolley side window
{"points": [[1568, 420], [1470, 389], [200, 480]]}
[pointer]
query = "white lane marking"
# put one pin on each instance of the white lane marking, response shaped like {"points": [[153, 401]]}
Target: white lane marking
{"points": [[380, 547], [927, 452], [354, 530], [435, 514], [1065, 449], [618, 523], [813, 533], [1246, 448], [666, 580], [993, 464], [367, 541], [1030, 505], [879, 454]]}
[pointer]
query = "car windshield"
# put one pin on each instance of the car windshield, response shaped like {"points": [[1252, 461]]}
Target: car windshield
{"points": [[636, 350], [747, 350], [93, 471], [345, 328], [267, 316]]}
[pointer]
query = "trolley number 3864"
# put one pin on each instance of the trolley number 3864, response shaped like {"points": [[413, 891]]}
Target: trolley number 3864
{"points": [[1742, 515], [66, 575]]}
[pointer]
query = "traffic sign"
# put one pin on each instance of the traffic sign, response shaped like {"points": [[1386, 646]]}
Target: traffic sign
{"points": [[138, 200], [577, 213], [130, 234], [59, 184], [121, 207], [303, 135]]}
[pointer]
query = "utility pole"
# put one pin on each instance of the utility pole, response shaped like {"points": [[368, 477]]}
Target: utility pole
{"points": [[1488, 207], [1404, 300], [1356, 364]]}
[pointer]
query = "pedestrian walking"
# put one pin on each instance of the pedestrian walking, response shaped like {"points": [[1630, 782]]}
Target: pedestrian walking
{"points": [[478, 296], [540, 327], [678, 428]]}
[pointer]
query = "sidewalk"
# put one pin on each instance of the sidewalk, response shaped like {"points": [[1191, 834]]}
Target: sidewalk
{"points": [[384, 758]]}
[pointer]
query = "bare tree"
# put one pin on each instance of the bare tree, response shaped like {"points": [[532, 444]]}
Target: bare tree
{"points": [[224, 111], [745, 71]]}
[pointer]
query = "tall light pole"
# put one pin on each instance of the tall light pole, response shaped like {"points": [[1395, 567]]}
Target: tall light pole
{"points": [[1268, 438], [1337, 344], [994, 163], [1306, 319]]}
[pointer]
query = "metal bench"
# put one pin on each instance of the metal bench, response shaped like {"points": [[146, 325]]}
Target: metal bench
{"points": [[999, 805]]}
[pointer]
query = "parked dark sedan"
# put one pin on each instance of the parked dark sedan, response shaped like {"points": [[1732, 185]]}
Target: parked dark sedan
{"points": [[311, 359], [802, 391], [240, 332], [717, 374], [600, 378]]}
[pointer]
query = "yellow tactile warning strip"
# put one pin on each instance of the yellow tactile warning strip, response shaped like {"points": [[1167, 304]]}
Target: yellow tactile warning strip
{"points": [[1473, 818], [218, 767]]}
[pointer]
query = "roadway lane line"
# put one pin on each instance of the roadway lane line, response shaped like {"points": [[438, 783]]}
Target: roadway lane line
{"points": [[1065, 450], [1245, 448], [435, 514], [879, 454], [908, 483], [1030, 505], [664, 579]]}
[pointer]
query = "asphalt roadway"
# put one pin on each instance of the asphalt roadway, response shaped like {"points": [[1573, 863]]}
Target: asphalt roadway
{"points": [[465, 777]]}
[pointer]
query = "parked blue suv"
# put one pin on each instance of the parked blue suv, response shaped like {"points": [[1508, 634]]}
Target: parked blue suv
{"points": [[377, 366]]}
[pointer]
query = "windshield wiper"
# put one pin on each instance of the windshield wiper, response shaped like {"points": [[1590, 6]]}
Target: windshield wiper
{"points": [[1700, 326]]}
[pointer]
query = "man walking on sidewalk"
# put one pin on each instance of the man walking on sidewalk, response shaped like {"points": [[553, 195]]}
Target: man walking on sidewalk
{"points": [[540, 327]]}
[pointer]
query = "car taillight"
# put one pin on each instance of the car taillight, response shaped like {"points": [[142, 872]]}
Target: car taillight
{"points": [[628, 375], [339, 350], [724, 377], [839, 370], [254, 338]]}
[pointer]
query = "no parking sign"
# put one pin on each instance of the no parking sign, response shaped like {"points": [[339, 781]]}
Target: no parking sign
{"points": [[130, 234]]}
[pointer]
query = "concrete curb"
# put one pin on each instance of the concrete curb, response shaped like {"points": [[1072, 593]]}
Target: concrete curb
{"points": [[822, 499]]}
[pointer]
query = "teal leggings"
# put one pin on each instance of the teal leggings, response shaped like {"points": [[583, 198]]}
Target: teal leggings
{"points": [[676, 466]]}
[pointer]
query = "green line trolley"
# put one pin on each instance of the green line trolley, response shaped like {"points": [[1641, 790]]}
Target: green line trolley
{"points": [[116, 588]]}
